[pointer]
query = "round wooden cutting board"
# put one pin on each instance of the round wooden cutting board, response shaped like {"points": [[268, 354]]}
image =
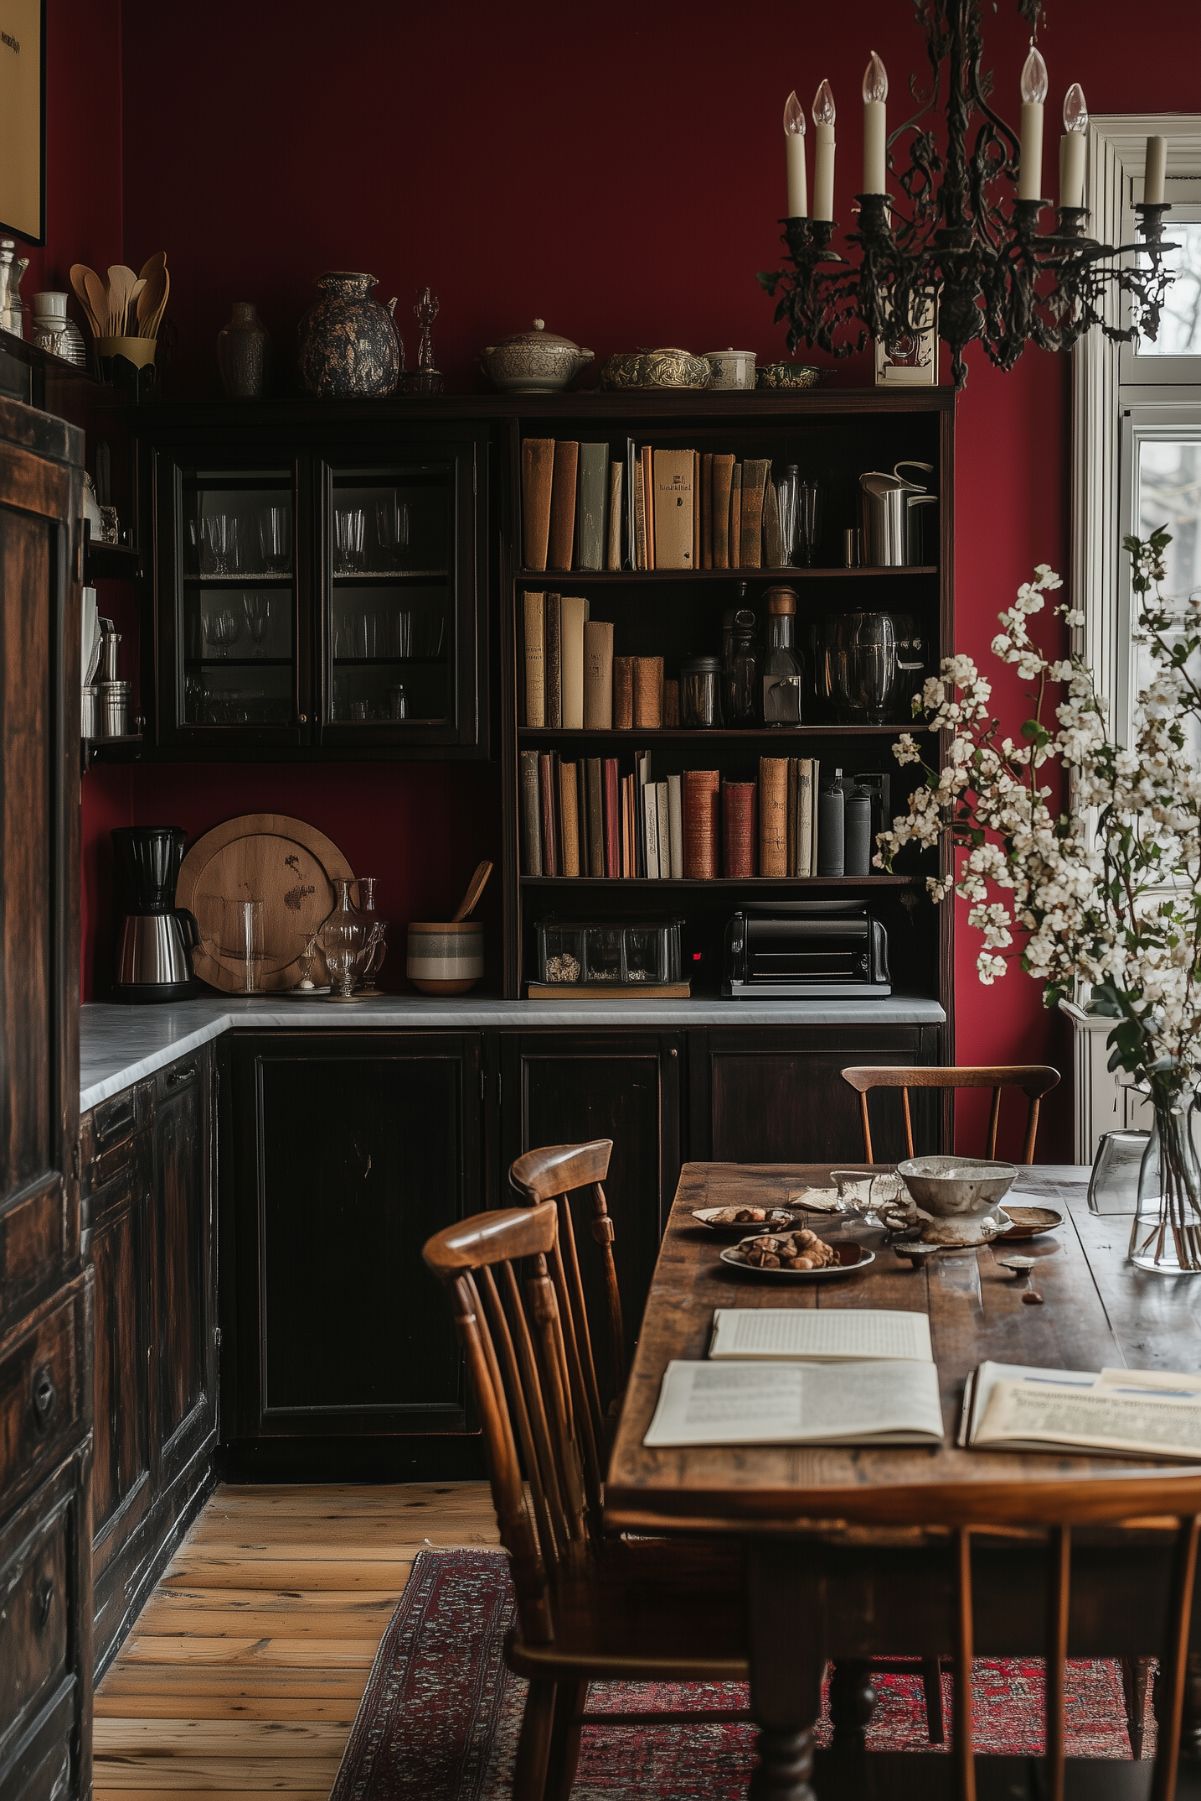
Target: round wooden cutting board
{"points": [[288, 865]]}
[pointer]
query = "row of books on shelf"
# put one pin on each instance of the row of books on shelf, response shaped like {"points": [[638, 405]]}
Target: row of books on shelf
{"points": [[570, 678], [584, 509], [589, 817]]}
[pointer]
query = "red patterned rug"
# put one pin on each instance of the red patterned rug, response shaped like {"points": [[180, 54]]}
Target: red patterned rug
{"points": [[441, 1713]]}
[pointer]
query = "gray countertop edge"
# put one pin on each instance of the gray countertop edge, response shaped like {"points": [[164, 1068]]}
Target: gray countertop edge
{"points": [[120, 1045]]}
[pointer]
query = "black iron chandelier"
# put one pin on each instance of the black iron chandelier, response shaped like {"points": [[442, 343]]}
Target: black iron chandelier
{"points": [[951, 242]]}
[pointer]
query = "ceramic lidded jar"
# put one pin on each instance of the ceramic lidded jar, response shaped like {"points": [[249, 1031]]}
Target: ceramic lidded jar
{"points": [[535, 362], [243, 350], [349, 343]]}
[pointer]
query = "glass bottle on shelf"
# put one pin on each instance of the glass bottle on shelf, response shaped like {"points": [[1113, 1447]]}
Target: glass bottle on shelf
{"points": [[783, 672], [744, 674], [377, 941]]}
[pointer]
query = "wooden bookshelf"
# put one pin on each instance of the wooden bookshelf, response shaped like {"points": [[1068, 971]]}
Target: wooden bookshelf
{"points": [[677, 612]]}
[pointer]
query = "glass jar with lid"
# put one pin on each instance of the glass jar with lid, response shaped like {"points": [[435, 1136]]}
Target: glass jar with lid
{"points": [[700, 692], [743, 697], [783, 672]]}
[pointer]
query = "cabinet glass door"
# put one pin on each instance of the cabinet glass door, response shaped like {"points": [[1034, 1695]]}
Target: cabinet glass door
{"points": [[390, 632], [236, 640]]}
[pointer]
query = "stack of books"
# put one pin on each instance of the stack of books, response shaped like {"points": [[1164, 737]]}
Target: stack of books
{"points": [[571, 680], [584, 509], [589, 817]]}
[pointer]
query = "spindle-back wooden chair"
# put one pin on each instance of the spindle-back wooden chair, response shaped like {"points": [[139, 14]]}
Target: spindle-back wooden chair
{"points": [[589, 1607], [1034, 1080], [561, 1173]]}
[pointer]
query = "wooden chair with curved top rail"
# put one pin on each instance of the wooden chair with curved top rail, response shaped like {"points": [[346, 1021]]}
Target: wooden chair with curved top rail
{"points": [[1034, 1080], [589, 1607], [558, 1173]]}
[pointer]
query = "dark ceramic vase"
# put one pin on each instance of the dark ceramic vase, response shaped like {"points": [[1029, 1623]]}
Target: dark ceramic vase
{"points": [[349, 344], [243, 348]]}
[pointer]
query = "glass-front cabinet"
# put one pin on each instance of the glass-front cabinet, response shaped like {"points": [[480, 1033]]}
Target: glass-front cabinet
{"points": [[321, 597]]}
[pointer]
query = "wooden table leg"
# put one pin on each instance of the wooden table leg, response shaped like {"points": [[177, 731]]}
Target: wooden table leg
{"points": [[786, 1666], [852, 1700]]}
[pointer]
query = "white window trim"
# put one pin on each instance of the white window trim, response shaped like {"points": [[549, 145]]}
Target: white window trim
{"points": [[1116, 154]]}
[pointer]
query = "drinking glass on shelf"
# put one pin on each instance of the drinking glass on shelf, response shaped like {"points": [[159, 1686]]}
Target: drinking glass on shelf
{"points": [[398, 702], [257, 608], [349, 527], [369, 630], [392, 530], [275, 538], [242, 940], [221, 629], [404, 633], [219, 538], [1113, 1185], [808, 522]]}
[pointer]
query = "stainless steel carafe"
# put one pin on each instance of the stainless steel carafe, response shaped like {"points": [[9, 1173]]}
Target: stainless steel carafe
{"points": [[891, 528]]}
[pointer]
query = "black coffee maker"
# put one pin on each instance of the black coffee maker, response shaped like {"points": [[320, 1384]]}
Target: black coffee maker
{"points": [[156, 938]]}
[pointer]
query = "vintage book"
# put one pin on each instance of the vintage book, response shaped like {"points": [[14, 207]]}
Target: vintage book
{"points": [[1122, 1412], [700, 803], [548, 805], [707, 461], [663, 828], [696, 509], [531, 814], [783, 1403], [773, 552], [573, 613], [623, 694], [806, 790], [648, 693], [581, 813], [533, 659], [755, 472], [562, 504], [598, 675], [642, 780], [671, 700], [675, 823], [650, 830], [537, 472], [648, 503], [773, 816], [675, 498], [590, 506], [612, 818], [596, 817], [613, 534], [569, 820], [639, 499], [553, 652], [723, 475], [738, 828], [736, 518], [631, 548], [793, 784], [837, 1335], [629, 825]]}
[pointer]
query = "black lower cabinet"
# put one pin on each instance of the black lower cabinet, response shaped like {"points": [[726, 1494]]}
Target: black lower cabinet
{"points": [[563, 1088], [344, 1151], [764, 1095]]}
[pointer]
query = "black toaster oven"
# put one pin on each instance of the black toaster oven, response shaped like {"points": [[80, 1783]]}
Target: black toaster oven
{"points": [[820, 948]]}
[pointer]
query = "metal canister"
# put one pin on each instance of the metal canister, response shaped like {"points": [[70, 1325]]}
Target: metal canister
{"points": [[113, 709], [87, 718]]}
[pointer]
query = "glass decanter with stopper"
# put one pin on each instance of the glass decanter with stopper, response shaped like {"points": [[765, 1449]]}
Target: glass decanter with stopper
{"points": [[743, 697], [783, 671], [345, 940]]}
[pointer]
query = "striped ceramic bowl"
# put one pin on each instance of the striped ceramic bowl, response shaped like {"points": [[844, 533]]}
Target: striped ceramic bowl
{"points": [[445, 958]]}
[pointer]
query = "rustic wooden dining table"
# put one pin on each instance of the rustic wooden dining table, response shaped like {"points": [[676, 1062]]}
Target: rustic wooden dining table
{"points": [[826, 1575]]}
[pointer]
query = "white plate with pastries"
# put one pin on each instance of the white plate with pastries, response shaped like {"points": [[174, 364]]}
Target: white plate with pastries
{"points": [[736, 1222], [796, 1256]]}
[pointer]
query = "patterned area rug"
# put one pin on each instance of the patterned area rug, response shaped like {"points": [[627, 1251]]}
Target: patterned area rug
{"points": [[440, 1716]]}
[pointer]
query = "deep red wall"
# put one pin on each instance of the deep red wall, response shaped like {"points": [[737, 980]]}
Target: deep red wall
{"points": [[617, 175], [83, 141]]}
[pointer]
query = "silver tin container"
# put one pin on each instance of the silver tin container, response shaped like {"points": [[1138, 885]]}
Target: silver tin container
{"points": [[113, 698]]}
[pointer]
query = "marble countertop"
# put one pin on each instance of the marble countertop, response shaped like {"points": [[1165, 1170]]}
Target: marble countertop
{"points": [[119, 1045]]}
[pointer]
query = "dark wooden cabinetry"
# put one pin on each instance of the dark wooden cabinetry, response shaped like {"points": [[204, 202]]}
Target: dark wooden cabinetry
{"points": [[319, 578], [148, 1213], [344, 1151], [45, 1329]]}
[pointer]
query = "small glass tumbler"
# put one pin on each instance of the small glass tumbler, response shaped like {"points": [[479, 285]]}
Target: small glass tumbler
{"points": [[275, 538], [392, 530], [1113, 1185], [349, 529], [869, 1193]]}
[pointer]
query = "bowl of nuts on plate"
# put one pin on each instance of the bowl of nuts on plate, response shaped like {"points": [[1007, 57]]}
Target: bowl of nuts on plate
{"points": [[736, 1222], [796, 1256]]}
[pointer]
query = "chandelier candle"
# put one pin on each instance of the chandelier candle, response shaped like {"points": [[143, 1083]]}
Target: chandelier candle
{"points": [[875, 127], [1071, 147], [794, 145], [1034, 93], [823, 155], [1153, 176]]}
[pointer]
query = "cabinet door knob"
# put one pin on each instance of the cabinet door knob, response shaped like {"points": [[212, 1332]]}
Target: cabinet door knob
{"points": [[302, 719], [44, 1599], [45, 1398]]}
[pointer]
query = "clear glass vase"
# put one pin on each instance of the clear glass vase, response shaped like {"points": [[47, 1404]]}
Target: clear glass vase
{"points": [[1166, 1233], [345, 937]]}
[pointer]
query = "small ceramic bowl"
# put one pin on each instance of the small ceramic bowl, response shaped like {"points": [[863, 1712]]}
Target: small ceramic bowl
{"points": [[788, 378], [950, 1187]]}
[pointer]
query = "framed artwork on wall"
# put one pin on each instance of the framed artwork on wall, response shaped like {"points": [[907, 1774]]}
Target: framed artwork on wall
{"points": [[910, 358], [23, 119]]}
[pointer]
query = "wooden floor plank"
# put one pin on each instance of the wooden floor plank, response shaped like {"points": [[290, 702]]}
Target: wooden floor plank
{"points": [[243, 1675]]}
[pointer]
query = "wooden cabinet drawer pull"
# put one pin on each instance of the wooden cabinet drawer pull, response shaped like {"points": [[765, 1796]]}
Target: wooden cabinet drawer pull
{"points": [[45, 1398], [45, 1600], [175, 1077]]}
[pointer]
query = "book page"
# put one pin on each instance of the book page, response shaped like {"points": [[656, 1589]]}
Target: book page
{"points": [[981, 1385], [1159, 1381], [839, 1334], [796, 1403], [1096, 1419]]}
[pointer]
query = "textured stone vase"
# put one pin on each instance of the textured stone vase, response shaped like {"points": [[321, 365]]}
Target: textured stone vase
{"points": [[349, 344], [243, 353]]}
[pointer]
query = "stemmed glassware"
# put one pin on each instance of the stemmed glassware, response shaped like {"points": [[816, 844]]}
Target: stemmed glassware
{"points": [[219, 543], [275, 538], [221, 629], [257, 608], [392, 529], [349, 531]]}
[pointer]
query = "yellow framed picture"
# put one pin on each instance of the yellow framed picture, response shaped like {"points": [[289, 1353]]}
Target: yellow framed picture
{"points": [[23, 119]]}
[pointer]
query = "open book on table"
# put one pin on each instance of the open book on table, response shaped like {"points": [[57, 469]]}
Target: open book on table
{"points": [[1123, 1413], [802, 1376]]}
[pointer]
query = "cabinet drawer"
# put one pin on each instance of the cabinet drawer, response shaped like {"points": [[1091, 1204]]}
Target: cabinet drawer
{"points": [[109, 1135], [39, 1766], [36, 1564], [184, 1074], [41, 1392], [33, 1246]]}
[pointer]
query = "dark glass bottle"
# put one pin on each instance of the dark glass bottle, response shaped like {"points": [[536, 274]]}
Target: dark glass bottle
{"points": [[783, 671], [744, 678]]}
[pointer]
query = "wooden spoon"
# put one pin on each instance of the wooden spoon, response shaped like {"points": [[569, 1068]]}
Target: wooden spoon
{"points": [[153, 298], [475, 888], [97, 295], [120, 282], [79, 280]]}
